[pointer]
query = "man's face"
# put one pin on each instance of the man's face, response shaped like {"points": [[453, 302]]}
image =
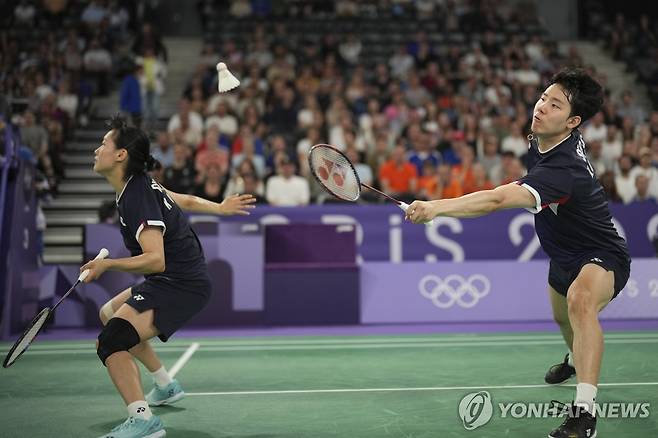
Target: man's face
{"points": [[551, 113]]}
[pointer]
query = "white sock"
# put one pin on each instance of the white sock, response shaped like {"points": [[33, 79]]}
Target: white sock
{"points": [[161, 377], [571, 358], [139, 409], [586, 396]]}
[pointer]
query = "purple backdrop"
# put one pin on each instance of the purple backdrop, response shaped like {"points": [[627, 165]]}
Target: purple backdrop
{"points": [[505, 235], [485, 291]]}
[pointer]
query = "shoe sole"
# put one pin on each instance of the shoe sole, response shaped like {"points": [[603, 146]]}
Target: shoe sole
{"points": [[157, 434], [593, 436], [562, 382], [170, 400]]}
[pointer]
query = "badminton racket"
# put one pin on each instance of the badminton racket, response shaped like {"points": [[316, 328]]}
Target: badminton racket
{"points": [[337, 175], [32, 330]]}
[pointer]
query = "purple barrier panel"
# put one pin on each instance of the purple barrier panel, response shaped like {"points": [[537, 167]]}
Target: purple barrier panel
{"points": [[310, 243], [242, 246], [484, 291], [382, 235]]}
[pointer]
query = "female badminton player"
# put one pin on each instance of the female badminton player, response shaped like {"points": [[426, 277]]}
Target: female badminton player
{"points": [[163, 248]]}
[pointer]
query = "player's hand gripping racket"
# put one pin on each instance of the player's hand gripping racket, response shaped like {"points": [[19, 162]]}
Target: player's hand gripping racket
{"points": [[336, 174], [37, 323]]}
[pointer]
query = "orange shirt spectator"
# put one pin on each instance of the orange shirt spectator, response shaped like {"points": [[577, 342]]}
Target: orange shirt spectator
{"points": [[397, 175], [451, 187], [480, 181]]}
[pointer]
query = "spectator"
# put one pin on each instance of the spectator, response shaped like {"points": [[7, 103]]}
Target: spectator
{"points": [[628, 108], [612, 145], [607, 180], [286, 188], [130, 96], [180, 176], [515, 142], [642, 189], [490, 159], [253, 186], [596, 130], [479, 180], [212, 185], [647, 169], [163, 151], [225, 122], [449, 186], [151, 79], [397, 176], [624, 181], [98, 62], [210, 152], [428, 183], [595, 156], [362, 170]]}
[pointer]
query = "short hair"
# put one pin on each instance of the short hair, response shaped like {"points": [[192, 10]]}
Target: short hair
{"points": [[136, 142], [583, 92]]}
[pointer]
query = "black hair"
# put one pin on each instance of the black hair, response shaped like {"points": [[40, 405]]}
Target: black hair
{"points": [[136, 142], [583, 92]]}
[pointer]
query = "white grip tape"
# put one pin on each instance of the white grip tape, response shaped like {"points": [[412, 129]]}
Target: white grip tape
{"points": [[404, 206], [101, 255]]}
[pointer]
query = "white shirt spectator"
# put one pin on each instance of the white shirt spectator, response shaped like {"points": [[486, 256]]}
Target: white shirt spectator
{"points": [[516, 145], [527, 77], [293, 191], [24, 13], [594, 133], [196, 122], [651, 173], [625, 187], [612, 150], [227, 124], [93, 14], [69, 103], [400, 64], [97, 59]]}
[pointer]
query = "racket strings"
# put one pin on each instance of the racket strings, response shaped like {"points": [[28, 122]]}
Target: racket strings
{"points": [[335, 172], [28, 337]]}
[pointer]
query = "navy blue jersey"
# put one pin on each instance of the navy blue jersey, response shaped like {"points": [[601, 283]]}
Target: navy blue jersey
{"points": [[572, 217], [143, 202]]}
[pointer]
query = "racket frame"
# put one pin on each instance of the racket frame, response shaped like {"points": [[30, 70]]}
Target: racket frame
{"points": [[324, 186]]}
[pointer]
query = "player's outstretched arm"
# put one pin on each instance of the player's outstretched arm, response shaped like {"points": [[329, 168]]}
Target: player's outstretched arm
{"points": [[472, 205], [234, 204]]}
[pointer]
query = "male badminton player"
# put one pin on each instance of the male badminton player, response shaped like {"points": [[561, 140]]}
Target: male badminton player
{"points": [[166, 250], [589, 261]]}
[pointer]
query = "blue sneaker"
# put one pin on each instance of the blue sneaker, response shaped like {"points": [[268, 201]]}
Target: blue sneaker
{"points": [[138, 428], [165, 396]]}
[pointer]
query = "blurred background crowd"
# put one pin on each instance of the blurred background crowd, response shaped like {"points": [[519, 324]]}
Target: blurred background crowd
{"points": [[429, 98]]}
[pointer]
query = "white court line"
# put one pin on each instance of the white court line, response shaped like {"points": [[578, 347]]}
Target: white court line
{"points": [[423, 388], [162, 349], [348, 340], [180, 363]]}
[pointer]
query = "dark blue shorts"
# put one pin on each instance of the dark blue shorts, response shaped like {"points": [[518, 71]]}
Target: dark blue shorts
{"points": [[560, 279], [173, 301]]}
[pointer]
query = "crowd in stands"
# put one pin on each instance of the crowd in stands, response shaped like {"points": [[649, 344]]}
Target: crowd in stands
{"points": [[56, 56], [431, 121]]}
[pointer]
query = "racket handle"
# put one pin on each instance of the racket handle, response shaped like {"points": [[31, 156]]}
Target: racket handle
{"points": [[404, 206], [101, 255]]}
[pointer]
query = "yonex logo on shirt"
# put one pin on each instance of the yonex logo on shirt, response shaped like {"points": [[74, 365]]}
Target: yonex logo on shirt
{"points": [[596, 259], [138, 297]]}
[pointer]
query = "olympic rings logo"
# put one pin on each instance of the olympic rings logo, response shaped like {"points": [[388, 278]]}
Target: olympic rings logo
{"points": [[454, 289]]}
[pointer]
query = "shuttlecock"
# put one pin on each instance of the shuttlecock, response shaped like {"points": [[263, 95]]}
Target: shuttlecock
{"points": [[225, 79]]}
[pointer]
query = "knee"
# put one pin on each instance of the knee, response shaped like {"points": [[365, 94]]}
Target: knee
{"points": [[106, 312], [580, 302], [117, 335]]}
